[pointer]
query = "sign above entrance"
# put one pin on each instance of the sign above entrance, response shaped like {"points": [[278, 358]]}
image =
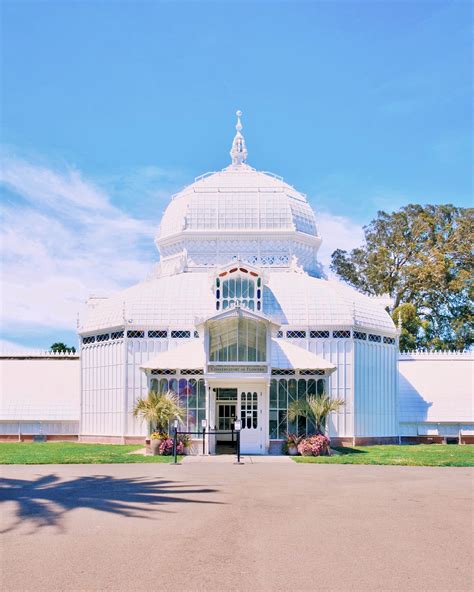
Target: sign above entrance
{"points": [[223, 369]]}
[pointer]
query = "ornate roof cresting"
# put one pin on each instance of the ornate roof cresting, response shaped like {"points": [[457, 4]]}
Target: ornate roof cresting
{"points": [[238, 151]]}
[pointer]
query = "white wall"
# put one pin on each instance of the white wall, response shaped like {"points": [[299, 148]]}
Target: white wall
{"points": [[375, 399], [39, 394], [140, 351], [339, 352], [102, 368], [435, 388]]}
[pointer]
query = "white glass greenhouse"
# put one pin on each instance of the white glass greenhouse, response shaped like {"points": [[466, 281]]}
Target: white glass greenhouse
{"points": [[239, 321]]}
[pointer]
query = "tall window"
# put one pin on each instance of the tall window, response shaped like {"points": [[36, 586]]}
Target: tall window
{"points": [[192, 398], [282, 393], [237, 340], [238, 287]]}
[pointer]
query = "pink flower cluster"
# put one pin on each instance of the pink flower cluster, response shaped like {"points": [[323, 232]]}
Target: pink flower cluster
{"points": [[314, 446], [166, 446]]}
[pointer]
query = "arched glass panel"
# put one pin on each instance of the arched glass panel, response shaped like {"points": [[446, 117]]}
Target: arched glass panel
{"points": [[301, 421], [201, 394], [183, 392], [273, 394], [164, 387], [239, 290], [192, 393], [292, 389], [154, 385], [310, 426], [321, 388], [238, 287], [282, 394], [301, 388], [192, 415]]}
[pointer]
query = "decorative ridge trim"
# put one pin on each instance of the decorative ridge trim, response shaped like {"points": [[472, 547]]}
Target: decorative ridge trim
{"points": [[36, 353], [456, 354]]}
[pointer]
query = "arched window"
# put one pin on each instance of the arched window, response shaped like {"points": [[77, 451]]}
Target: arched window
{"points": [[238, 287], [237, 340]]}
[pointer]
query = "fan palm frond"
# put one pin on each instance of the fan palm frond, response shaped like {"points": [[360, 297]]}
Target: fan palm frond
{"points": [[316, 408], [159, 409]]}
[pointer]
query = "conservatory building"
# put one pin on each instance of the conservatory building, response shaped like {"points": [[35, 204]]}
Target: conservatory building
{"points": [[239, 321]]}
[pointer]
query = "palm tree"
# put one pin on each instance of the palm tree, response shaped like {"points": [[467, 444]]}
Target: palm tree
{"points": [[315, 407], [159, 409]]}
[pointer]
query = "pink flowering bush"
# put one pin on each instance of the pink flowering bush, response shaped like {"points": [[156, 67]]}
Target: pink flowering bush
{"points": [[165, 447], [314, 446]]}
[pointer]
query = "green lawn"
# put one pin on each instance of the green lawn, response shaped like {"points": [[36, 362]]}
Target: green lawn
{"points": [[46, 453], [427, 455]]}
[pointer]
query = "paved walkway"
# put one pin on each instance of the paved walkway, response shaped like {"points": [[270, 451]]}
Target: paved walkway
{"points": [[232, 459], [214, 526]]}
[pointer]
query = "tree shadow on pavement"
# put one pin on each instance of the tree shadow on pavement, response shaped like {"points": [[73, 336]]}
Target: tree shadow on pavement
{"points": [[45, 501]]}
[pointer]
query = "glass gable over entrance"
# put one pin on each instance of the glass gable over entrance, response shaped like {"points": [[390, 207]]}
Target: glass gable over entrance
{"points": [[237, 340]]}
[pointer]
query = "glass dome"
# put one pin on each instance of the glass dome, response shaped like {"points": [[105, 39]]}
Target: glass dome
{"points": [[238, 198], [238, 213]]}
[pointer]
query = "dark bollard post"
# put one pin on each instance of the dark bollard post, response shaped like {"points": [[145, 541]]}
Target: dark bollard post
{"points": [[238, 446], [238, 427], [175, 443], [204, 425]]}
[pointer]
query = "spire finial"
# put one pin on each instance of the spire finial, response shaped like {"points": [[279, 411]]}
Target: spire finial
{"points": [[399, 321], [238, 151]]}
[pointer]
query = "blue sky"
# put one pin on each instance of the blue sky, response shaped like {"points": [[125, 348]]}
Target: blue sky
{"points": [[109, 107]]}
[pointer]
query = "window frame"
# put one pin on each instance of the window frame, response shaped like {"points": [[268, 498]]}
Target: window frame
{"points": [[254, 290]]}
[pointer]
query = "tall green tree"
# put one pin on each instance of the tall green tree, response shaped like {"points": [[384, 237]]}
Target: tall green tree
{"points": [[422, 256]]}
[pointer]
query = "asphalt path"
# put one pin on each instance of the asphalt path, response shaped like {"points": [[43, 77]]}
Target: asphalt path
{"points": [[219, 526]]}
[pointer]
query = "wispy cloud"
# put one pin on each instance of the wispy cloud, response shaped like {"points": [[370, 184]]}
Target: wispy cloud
{"points": [[337, 232], [11, 347], [62, 239]]}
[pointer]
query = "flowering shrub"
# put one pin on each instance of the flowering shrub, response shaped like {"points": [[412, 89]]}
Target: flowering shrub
{"points": [[166, 443], [314, 446], [166, 446]]}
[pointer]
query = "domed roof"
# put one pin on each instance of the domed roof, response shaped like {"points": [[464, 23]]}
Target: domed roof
{"points": [[238, 198], [238, 213], [290, 298]]}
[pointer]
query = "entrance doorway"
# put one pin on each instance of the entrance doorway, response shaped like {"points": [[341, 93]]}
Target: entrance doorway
{"points": [[251, 416], [244, 403], [226, 414]]}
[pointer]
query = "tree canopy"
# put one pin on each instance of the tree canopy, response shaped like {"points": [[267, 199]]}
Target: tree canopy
{"points": [[422, 257], [60, 347]]}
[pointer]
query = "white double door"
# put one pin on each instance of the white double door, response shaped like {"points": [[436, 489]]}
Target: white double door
{"points": [[250, 413]]}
